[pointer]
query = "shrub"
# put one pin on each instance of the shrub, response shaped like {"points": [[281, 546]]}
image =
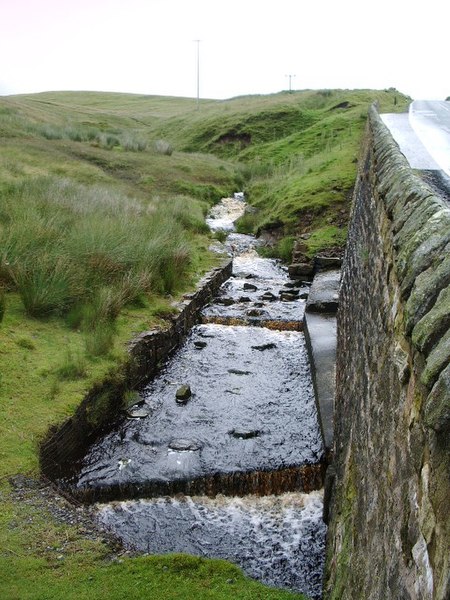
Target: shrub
{"points": [[163, 147], [132, 143], [44, 285], [107, 140]]}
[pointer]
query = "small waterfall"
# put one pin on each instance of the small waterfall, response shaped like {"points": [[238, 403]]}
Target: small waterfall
{"points": [[222, 454]]}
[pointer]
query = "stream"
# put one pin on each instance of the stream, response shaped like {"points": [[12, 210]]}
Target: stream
{"points": [[222, 455]]}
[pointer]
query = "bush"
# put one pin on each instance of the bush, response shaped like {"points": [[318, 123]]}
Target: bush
{"points": [[44, 285], [132, 143], [163, 147]]}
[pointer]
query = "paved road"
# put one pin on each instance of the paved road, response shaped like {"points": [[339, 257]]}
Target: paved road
{"points": [[431, 122], [424, 134]]}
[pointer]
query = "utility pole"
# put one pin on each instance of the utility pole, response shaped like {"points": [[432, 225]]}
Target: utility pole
{"points": [[290, 80], [198, 73]]}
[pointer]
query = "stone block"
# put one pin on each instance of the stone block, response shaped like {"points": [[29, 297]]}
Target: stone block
{"points": [[425, 291], [422, 248], [437, 405], [437, 360], [430, 329], [324, 292], [300, 270]]}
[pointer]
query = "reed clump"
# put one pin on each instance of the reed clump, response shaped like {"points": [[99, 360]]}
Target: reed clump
{"points": [[86, 252]]}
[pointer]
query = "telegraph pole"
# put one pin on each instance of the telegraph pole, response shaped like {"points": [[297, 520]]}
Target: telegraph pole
{"points": [[290, 80], [198, 73]]}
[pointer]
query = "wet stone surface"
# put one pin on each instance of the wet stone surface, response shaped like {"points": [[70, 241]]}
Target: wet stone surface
{"points": [[259, 292], [278, 540], [234, 409], [239, 382]]}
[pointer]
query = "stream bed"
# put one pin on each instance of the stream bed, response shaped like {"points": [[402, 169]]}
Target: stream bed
{"points": [[222, 456]]}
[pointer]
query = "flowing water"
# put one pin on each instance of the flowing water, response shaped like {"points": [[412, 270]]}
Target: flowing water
{"points": [[230, 428]]}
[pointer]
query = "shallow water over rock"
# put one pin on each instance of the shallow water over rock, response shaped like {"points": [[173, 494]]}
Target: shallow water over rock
{"points": [[231, 414], [278, 540], [256, 384]]}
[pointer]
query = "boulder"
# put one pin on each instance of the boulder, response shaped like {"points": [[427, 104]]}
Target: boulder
{"points": [[183, 394], [244, 434]]}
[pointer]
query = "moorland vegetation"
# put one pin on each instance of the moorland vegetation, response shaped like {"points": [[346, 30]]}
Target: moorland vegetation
{"points": [[102, 204]]}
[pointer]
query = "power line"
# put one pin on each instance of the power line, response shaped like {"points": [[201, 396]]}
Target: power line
{"points": [[198, 73]]}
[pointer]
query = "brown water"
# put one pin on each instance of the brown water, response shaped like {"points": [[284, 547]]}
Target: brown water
{"points": [[248, 427]]}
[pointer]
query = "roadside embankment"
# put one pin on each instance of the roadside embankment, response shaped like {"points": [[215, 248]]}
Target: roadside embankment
{"points": [[389, 529]]}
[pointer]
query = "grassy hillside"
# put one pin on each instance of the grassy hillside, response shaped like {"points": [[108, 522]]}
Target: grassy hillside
{"points": [[297, 153], [102, 205]]}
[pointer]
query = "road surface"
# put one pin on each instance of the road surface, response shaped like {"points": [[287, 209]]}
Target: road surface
{"points": [[424, 134]]}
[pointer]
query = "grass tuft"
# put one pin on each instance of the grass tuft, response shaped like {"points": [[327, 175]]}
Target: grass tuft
{"points": [[74, 366]]}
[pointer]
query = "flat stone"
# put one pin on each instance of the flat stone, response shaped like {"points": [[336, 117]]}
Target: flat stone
{"points": [[225, 301], [324, 292], [138, 412], [244, 299], [324, 263], [250, 287], [254, 312], [300, 270], [199, 344], [184, 445], [321, 335], [244, 434], [268, 297], [288, 297], [239, 372], [264, 347], [293, 284]]}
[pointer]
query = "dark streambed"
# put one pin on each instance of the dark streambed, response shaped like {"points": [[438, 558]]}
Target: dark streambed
{"points": [[252, 409], [279, 540], [248, 427]]}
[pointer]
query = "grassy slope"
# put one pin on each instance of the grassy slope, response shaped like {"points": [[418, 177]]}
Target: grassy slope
{"points": [[294, 153], [298, 153], [32, 392]]}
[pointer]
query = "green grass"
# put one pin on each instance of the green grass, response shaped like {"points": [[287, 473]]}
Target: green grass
{"points": [[101, 229], [102, 206], [297, 153]]}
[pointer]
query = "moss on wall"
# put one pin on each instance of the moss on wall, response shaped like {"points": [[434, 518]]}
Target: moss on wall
{"points": [[389, 528]]}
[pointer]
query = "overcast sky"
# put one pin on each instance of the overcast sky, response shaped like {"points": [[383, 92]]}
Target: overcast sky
{"points": [[246, 47]]}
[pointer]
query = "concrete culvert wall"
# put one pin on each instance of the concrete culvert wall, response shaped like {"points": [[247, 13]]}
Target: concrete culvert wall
{"points": [[389, 524]]}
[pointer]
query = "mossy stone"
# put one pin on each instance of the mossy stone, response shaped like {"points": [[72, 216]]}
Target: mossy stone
{"points": [[425, 291], [434, 324], [436, 361], [437, 405], [421, 250]]}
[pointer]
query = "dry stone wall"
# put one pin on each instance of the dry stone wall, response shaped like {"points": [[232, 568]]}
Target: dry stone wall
{"points": [[389, 525]]}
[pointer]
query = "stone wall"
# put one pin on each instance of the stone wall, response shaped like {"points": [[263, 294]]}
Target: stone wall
{"points": [[65, 444], [389, 534]]}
